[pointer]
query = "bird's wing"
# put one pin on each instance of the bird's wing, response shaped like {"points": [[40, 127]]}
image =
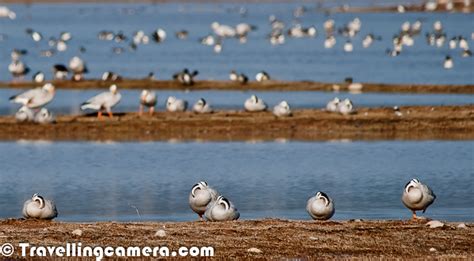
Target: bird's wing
{"points": [[26, 97]]}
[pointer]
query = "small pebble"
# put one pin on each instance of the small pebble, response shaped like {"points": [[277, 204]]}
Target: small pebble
{"points": [[160, 233], [77, 232], [462, 225], [435, 224], [433, 249], [313, 238], [254, 250]]}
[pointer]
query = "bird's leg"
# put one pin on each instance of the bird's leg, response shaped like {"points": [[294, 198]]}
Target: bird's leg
{"points": [[99, 115], [152, 109], [200, 218], [414, 217], [140, 111], [111, 115]]}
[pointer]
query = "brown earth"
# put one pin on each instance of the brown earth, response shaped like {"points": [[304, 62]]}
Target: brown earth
{"points": [[416, 122], [265, 86], [276, 239]]}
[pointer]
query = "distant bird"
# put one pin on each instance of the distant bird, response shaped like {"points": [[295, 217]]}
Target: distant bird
{"points": [[159, 35], [466, 53], [262, 76], [202, 106], [348, 47], [39, 208], [417, 196], [78, 68], [243, 29], [218, 47], [182, 35], [103, 101], [18, 69], [333, 105], [35, 98], [329, 42], [24, 114], [221, 210], [320, 207], [200, 196], [254, 104], [448, 63], [38, 77], [235, 77], [185, 77], [147, 99], [346, 107], [282, 109], [60, 72], [44, 116], [176, 105], [223, 31], [111, 76]]}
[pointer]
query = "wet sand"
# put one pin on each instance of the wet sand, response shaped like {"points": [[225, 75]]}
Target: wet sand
{"points": [[264, 86], [416, 122], [276, 239]]}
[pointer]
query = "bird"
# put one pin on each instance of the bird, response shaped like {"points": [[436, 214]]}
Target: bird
{"points": [[282, 109], [233, 76], [346, 107], [159, 35], [221, 210], [417, 196], [448, 63], [147, 99], [39, 208], [60, 71], [200, 196], [223, 31], [35, 98], [38, 77], [24, 114], [111, 76], [44, 116], [348, 47], [320, 206], [18, 69], [103, 101], [254, 104], [202, 106], [175, 105], [262, 76], [185, 77], [333, 105], [78, 68]]}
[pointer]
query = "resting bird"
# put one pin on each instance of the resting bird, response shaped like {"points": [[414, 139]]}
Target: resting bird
{"points": [[346, 107], [175, 105], [18, 69], [147, 99], [44, 116], [333, 105], [262, 76], [185, 77], [104, 101], [60, 72], [417, 196], [202, 106], [78, 68], [200, 196], [320, 207], [254, 104], [39, 208], [24, 114], [221, 210], [35, 98], [282, 109]]}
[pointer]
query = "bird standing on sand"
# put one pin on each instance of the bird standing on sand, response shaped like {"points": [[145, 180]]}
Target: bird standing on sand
{"points": [[320, 207], [254, 104], [104, 101], [147, 99], [202, 106], [39, 208], [35, 98], [221, 210], [417, 196], [200, 196], [282, 109], [175, 105]]}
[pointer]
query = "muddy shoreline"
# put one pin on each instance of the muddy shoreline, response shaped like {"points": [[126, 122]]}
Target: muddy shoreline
{"points": [[415, 123], [276, 239], [265, 86]]}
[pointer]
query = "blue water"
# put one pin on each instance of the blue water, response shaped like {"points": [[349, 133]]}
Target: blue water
{"points": [[298, 59], [99, 181]]}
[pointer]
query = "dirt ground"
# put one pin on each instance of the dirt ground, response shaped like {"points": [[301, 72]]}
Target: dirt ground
{"points": [[276, 239], [264, 86], [416, 122]]}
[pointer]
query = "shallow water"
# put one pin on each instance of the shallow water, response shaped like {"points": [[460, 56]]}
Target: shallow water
{"points": [[98, 181], [68, 102], [298, 59]]}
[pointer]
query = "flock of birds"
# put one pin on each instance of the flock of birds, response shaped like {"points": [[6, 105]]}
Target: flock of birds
{"points": [[208, 202]]}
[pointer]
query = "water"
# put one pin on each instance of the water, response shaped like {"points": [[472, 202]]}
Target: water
{"points": [[68, 101], [298, 59], [97, 181]]}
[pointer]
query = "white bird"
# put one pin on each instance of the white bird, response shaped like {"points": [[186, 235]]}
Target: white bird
{"points": [[346, 107], [35, 98], [200, 196], [329, 42], [448, 63], [201, 106], [78, 68], [18, 69], [282, 109], [103, 101], [254, 104], [348, 47], [60, 72], [221, 210], [417, 196], [44, 116], [233, 76], [24, 114], [176, 105], [159, 35], [320, 207], [39, 208], [223, 30], [38, 77], [262, 76], [333, 105], [147, 99]]}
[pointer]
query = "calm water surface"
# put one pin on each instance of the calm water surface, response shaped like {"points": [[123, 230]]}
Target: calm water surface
{"points": [[97, 181]]}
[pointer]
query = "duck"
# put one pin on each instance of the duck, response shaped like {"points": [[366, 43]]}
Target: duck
{"points": [[147, 99], [417, 196], [60, 71], [35, 98], [346, 107], [200, 196], [176, 105], [39, 208], [448, 63], [185, 77], [254, 104], [201, 106], [320, 206], [333, 105], [18, 69], [24, 114], [282, 109], [262, 76], [38, 77], [221, 210], [78, 68], [44, 116], [103, 101]]}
